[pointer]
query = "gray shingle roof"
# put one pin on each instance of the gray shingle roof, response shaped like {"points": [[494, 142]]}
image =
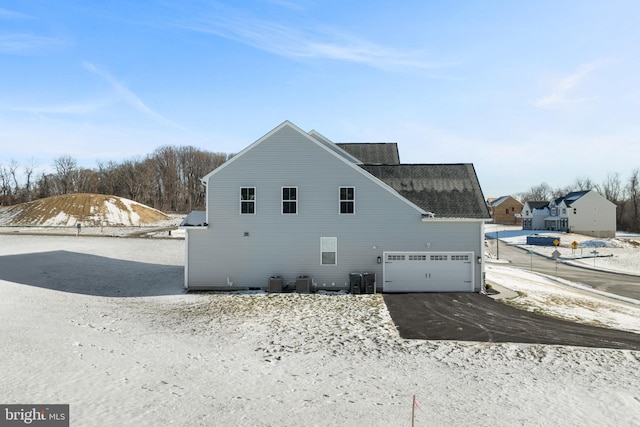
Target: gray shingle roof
{"points": [[538, 205], [447, 190], [375, 153], [572, 197]]}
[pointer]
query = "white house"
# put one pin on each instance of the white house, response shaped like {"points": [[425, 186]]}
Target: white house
{"points": [[583, 212], [297, 207], [533, 215]]}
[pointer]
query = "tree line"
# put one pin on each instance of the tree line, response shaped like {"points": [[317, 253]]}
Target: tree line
{"points": [[624, 194], [168, 179]]}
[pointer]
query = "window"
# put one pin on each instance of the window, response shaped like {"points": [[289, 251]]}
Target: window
{"points": [[575, 211], [459, 257], [395, 257], [289, 200], [417, 257], [438, 257], [248, 200], [506, 211], [329, 250], [347, 200], [564, 210]]}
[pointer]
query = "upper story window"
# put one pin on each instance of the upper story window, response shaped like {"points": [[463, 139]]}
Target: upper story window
{"points": [[248, 200], [347, 200], [289, 200]]}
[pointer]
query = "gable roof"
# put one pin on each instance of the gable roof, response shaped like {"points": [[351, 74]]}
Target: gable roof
{"points": [[444, 190], [571, 197], [447, 190], [537, 205], [500, 200], [323, 142], [373, 153]]}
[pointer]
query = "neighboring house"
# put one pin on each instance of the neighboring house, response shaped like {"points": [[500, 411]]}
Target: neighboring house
{"points": [[294, 204], [533, 215], [582, 212], [505, 210]]}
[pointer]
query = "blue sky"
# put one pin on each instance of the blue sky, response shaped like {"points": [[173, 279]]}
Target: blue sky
{"points": [[529, 92]]}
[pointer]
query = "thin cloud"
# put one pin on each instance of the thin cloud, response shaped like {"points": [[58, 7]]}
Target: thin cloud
{"points": [[563, 91], [27, 43], [64, 109], [325, 43], [130, 98], [11, 14]]}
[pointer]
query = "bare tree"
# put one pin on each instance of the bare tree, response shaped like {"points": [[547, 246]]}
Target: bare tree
{"points": [[66, 171], [614, 192], [28, 173], [584, 184], [633, 190], [5, 186], [537, 193]]}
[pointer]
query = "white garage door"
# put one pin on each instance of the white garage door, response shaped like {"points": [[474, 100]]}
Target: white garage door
{"points": [[428, 272]]}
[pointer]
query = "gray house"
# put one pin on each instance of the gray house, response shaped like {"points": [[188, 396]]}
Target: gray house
{"points": [[295, 205]]}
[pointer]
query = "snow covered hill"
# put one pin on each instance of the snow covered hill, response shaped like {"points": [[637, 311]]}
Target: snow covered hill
{"points": [[87, 209]]}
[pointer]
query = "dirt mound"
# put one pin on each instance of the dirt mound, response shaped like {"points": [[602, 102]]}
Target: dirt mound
{"points": [[87, 209]]}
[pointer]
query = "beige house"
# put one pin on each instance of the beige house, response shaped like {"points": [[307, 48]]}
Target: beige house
{"points": [[505, 210]]}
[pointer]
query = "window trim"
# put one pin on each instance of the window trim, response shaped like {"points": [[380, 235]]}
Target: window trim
{"points": [[294, 201], [352, 200], [248, 201]]}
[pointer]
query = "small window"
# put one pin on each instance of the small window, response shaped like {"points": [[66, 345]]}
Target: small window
{"points": [[459, 257], [564, 210], [575, 211], [417, 257], [289, 200], [328, 250], [506, 211], [395, 257], [438, 257], [248, 200], [347, 200]]}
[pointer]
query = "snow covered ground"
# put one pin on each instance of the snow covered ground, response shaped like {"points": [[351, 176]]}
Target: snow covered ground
{"points": [[560, 298], [211, 359]]}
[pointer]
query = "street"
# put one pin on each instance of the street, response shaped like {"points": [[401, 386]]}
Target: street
{"points": [[618, 284]]}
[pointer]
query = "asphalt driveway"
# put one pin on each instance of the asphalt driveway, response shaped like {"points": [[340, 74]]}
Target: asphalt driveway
{"points": [[476, 317]]}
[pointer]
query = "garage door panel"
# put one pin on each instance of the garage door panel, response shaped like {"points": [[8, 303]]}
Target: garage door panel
{"points": [[428, 272]]}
